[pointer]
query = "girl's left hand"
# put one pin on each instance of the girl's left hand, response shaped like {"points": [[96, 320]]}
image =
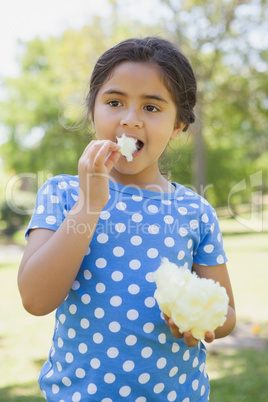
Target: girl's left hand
{"points": [[188, 337]]}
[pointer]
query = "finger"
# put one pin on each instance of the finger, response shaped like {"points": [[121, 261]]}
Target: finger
{"points": [[209, 336], [189, 339], [106, 147], [111, 160]]}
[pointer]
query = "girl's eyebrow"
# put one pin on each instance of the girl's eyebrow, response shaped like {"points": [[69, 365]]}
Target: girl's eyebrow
{"points": [[116, 92]]}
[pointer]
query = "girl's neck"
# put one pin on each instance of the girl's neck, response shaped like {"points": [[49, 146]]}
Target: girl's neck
{"points": [[157, 183]]}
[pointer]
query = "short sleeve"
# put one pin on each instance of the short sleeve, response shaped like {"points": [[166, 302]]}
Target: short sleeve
{"points": [[51, 205], [210, 250]]}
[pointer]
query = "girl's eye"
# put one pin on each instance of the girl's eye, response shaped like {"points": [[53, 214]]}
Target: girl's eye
{"points": [[151, 108], [114, 103]]}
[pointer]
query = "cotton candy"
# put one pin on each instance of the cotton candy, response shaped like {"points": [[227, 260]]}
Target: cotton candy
{"points": [[194, 304], [128, 146]]}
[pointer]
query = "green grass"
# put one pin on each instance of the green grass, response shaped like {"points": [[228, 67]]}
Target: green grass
{"points": [[236, 375]]}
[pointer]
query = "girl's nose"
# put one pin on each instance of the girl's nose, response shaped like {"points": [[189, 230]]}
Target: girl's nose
{"points": [[131, 120]]}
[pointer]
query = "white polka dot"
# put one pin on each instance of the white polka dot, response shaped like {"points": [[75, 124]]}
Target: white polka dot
{"points": [[125, 391], [71, 333], [189, 244], [69, 357], [84, 323], [141, 399], [114, 326], [209, 248], [173, 371], [152, 209], [148, 327], [128, 365], [183, 232], [46, 190], [116, 301], [76, 397], [193, 205], [104, 215], [88, 251], [55, 389], [40, 209], [121, 206], [186, 400], [133, 289], [152, 253], [80, 373], [91, 389], [75, 285], [99, 312], [150, 277], [117, 276], [202, 390], [153, 229], [204, 218], [136, 240], [102, 238], [101, 263], [97, 338], [175, 347], [62, 318], [82, 348], [182, 379], [186, 355], [60, 343], [95, 363], [212, 227], [54, 199], [74, 196], [131, 340], [120, 227], [109, 378], [135, 264], [137, 198], [50, 373], [66, 381], [149, 302], [220, 259], [181, 255], [161, 363], [194, 224], [74, 183], [100, 288], [172, 396], [59, 366], [166, 202], [146, 352], [137, 217], [112, 352], [87, 274], [195, 362], [118, 251], [85, 299], [132, 314], [144, 378], [195, 384], [159, 388], [182, 210], [168, 219], [50, 220], [169, 241], [162, 338], [62, 185], [73, 309], [219, 237]]}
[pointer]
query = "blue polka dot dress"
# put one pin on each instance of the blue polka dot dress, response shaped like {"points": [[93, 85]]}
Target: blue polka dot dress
{"points": [[110, 341]]}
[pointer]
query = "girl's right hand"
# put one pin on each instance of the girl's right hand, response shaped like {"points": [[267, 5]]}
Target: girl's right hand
{"points": [[95, 164]]}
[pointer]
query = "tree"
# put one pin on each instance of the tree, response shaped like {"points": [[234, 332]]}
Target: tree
{"points": [[218, 37]]}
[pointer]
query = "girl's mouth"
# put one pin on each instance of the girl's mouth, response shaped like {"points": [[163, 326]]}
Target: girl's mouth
{"points": [[139, 145]]}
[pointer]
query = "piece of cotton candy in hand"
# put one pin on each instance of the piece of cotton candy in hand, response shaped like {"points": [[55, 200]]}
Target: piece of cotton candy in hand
{"points": [[128, 146], [194, 304]]}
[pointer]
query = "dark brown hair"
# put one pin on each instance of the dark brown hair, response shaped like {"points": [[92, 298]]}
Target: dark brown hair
{"points": [[177, 73]]}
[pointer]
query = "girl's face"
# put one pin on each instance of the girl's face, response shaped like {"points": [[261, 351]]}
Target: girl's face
{"points": [[135, 101]]}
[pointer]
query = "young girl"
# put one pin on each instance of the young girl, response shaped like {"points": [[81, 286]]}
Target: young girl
{"points": [[95, 240]]}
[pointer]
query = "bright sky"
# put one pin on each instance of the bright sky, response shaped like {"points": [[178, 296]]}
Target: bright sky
{"points": [[25, 19]]}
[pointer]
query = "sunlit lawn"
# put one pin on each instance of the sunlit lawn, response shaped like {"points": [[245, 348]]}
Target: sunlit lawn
{"points": [[236, 375]]}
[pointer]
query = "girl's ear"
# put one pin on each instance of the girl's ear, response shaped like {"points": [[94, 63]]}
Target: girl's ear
{"points": [[177, 130]]}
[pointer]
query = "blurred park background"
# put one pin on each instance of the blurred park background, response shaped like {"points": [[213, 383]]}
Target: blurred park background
{"points": [[224, 157]]}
